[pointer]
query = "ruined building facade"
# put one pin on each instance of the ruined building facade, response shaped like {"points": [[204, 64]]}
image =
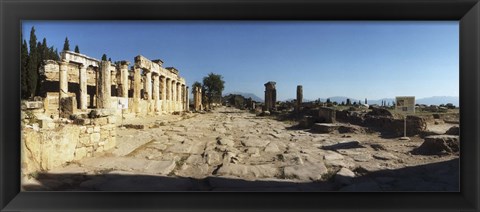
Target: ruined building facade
{"points": [[87, 83]]}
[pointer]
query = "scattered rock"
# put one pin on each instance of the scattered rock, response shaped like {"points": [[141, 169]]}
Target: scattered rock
{"points": [[324, 127], [306, 172], [455, 130], [344, 176], [438, 144]]}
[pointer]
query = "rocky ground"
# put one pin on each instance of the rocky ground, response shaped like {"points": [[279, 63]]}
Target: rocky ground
{"points": [[233, 150]]}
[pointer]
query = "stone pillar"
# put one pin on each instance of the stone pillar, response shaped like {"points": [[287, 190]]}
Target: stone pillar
{"points": [[137, 87], [179, 94], [197, 99], [124, 78], [187, 100], [82, 79], [104, 90], [163, 87], [63, 79], [168, 94], [299, 97], [156, 92], [173, 96], [270, 96], [148, 85]]}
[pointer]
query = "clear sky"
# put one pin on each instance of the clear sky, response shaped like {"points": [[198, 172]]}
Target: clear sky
{"points": [[357, 59]]}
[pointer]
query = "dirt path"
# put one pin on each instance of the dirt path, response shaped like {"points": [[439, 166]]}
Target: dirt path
{"points": [[229, 149]]}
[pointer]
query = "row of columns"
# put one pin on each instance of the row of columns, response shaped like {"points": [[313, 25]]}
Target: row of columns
{"points": [[170, 92], [174, 95]]}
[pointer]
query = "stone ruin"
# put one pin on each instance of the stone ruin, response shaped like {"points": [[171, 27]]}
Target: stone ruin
{"points": [[270, 96], [92, 84], [76, 114]]}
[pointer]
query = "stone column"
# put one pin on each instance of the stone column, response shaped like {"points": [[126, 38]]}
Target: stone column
{"points": [[270, 96], [148, 85], [187, 100], [299, 97], [197, 99], [63, 79], [137, 87], [163, 87], [104, 90], [168, 94], [156, 92], [82, 79], [179, 94], [173, 96], [124, 78]]}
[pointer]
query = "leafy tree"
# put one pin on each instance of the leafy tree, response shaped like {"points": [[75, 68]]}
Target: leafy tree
{"points": [[66, 45], [213, 86], [110, 59], [76, 49], [104, 57], [194, 85]]}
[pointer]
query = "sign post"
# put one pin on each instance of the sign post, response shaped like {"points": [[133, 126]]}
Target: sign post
{"points": [[122, 104], [405, 105]]}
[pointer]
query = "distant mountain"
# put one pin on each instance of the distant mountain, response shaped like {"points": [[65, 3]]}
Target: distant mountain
{"points": [[434, 100], [438, 100], [246, 95]]}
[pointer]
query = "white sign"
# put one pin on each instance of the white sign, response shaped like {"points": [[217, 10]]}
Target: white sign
{"points": [[405, 104], [122, 103]]}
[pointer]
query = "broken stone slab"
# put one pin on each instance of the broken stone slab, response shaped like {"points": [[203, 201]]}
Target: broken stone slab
{"points": [[438, 144], [455, 130], [306, 172], [248, 171], [196, 171], [255, 143], [384, 156], [225, 141], [32, 105], [343, 145], [272, 148], [103, 112], [344, 176], [324, 127], [331, 155]]}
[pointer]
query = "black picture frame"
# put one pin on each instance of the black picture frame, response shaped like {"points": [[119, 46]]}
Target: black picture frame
{"points": [[467, 12]]}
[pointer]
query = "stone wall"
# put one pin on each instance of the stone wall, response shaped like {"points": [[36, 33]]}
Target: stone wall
{"points": [[326, 115], [48, 143]]}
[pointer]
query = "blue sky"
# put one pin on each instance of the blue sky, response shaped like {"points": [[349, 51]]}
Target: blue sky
{"points": [[357, 59]]}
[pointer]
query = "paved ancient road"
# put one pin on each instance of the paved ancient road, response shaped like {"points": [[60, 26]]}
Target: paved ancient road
{"points": [[230, 149]]}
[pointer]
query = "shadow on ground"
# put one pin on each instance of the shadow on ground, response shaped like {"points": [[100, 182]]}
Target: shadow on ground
{"points": [[442, 176]]}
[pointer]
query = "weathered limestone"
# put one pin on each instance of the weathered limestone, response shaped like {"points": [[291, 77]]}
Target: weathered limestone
{"points": [[136, 89], [174, 95], [124, 79], [104, 85], [179, 99], [187, 99], [148, 85], [163, 87], [270, 96], [83, 87], [197, 98], [156, 92], [169, 94], [63, 79], [299, 97]]}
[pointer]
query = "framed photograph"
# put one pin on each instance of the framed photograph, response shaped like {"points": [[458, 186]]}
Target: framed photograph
{"points": [[239, 105]]}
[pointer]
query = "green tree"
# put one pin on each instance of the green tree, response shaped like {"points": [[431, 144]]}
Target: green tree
{"points": [[76, 49], [213, 86], [66, 45], [104, 57], [23, 70], [32, 64]]}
